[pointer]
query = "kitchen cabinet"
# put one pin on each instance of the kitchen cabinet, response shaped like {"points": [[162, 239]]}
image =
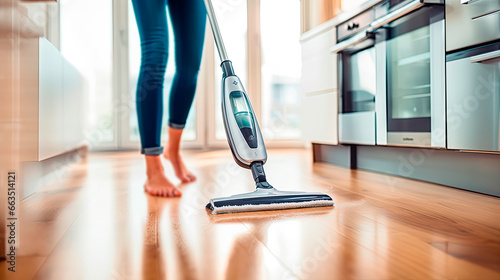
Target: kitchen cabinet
{"points": [[319, 120], [319, 85], [473, 75], [473, 99], [472, 22], [51, 100]]}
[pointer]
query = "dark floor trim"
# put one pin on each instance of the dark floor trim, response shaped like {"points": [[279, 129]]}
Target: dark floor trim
{"points": [[339, 155], [478, 172]]}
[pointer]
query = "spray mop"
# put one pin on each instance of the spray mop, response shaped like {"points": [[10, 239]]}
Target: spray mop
{"points": [[247, 146]]}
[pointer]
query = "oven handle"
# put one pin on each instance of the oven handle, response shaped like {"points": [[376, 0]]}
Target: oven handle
{"points": [[358, 38], [489, 57], [406, 9]]}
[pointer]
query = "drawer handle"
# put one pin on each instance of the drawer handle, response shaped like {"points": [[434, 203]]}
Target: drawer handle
{"points": [[466, 2], [353, 25], [358, 38], [490, 57]]}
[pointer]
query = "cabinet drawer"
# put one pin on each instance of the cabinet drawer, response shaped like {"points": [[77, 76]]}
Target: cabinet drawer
{"points": [[471, 24], [473, 102], [319, 65]]}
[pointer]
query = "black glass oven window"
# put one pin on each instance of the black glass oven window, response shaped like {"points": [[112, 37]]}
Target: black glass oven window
{"points": [[410, 83], [409, 73], [359, 82]]}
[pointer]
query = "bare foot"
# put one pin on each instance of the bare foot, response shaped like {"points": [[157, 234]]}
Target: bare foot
{"points": [[172, 153], [157, 183], [180, 169]]}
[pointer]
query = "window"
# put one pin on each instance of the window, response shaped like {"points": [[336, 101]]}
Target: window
{"points": [[232, 19], [112, 117], [281, 69], [88, 45]]}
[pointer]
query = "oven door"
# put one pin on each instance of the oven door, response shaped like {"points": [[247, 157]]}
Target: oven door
{"points": [[415, 74], [357, 86]]}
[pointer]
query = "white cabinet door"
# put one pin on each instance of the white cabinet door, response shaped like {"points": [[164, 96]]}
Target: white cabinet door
{"points": [[52, 95], [319, 65], [319, 88], [50, 98], [319, 118], [74, 109]]}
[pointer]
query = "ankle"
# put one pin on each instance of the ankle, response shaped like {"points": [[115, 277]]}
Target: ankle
{"points": [[154, 172], [174, 141], [173, 151], [153, 165]]}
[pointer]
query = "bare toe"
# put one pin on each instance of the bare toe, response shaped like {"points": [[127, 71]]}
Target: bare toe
{"points": [[163, 192], [159, 185], [170, 193], [191, 177], [185, 179]]}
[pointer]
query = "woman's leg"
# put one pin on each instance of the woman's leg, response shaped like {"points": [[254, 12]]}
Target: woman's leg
{"points": [[152, 24], [188, 19], [172, 153]]}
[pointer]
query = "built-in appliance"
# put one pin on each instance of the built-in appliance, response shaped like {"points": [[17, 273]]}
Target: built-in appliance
{"points": [[407, 41], [357, 82], [473, 75], [473, 95], [415, 76], [471, 23]]}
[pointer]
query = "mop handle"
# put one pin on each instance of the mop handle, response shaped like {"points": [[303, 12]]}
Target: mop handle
{"points": [[216, 31]]}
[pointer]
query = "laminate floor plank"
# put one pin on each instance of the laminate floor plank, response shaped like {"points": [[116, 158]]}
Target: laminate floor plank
{"points": [[96, 222], [450, 232], [125, 234]]}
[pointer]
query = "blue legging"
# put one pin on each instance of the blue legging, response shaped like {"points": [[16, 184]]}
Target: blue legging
{"points": [[188, 19]]}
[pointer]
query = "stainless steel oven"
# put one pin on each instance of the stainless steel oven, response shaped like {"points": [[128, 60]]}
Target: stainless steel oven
{"points": [[357, 81], [406, 40], [415, 75]]}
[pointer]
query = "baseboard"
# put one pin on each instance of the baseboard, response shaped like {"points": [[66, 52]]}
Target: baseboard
{"points": [[478, 172], [34, 175]]}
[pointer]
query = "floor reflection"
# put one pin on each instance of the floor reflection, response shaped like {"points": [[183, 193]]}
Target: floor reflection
{"points": [[101, 225], [278, 230]]}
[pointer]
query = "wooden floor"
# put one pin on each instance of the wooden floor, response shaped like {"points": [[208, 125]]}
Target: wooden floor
{"points": [[96, 222]]}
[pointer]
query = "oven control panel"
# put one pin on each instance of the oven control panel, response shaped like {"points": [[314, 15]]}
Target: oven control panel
{"points": [[354, 25]]}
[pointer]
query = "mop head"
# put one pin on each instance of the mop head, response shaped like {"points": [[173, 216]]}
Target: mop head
{"points": [[268, 199]]}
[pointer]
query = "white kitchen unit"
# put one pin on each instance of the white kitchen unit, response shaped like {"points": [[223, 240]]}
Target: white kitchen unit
{"points": [[473, 75], [319, 85], [52, 102]]}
